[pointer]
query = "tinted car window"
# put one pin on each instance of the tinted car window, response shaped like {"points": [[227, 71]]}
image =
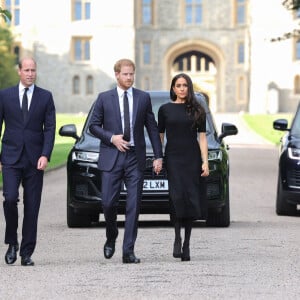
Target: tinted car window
{"points": [[295, 130]]}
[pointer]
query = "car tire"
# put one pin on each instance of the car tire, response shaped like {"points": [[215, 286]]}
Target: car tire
{"points": [[282, 207], [220, 218]]}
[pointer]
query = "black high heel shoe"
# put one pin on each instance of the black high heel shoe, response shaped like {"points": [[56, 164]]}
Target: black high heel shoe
{"points": [[185, 256], [177, 249]]}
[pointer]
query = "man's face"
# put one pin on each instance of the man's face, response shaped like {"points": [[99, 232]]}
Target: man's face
{"points": [[125, 77], [28, 72]]}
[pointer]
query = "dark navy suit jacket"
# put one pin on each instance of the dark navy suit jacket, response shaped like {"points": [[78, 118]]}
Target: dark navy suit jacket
{"points": [[106, 121], [37, 134]]}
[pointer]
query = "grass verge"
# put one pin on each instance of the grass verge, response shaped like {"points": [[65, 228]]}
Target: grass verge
{"points": [[263, 125]]}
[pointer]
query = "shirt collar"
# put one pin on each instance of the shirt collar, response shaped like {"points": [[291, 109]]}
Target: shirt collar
{"points": [[22, 87], [121, 91]]}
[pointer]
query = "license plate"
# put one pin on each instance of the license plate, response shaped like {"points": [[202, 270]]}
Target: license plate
{"points": [[154, 185], [160, 185]]}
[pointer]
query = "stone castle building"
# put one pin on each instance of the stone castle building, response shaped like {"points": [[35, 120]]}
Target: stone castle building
{"points": [[226, 46]]}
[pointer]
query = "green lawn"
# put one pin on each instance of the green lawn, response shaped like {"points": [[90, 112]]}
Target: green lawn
{"points": [[263, 125], [63, 144]]}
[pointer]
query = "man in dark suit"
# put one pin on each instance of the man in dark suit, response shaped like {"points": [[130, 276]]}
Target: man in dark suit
{"points": [[28, 114], [123, 153]]}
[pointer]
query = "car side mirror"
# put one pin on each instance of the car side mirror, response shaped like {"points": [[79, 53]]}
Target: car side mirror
{"points": [[227, 129], [69, 130], [280, 124]]}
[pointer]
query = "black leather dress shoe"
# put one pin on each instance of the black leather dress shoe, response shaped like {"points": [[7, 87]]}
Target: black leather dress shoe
{"points": [[109, 249], [27, 261], [130, 259], [11, 254]]}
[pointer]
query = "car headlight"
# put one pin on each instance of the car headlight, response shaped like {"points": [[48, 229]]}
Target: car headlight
{"points": [[85, 156], [215, 155], [294, 153]]}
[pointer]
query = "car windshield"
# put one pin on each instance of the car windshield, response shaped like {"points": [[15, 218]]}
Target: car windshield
{"points": [[157, 99]]}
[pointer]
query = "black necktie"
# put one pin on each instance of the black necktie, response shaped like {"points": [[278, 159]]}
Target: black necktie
{"points": [[126, 136], [25, 104]]}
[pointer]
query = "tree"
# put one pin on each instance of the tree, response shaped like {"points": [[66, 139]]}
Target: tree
{"points": [[290, 5], [5, 14], [8, 71]]}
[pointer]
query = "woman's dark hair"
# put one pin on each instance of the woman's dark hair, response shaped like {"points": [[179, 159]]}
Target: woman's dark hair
{"points": [[193, 107]]}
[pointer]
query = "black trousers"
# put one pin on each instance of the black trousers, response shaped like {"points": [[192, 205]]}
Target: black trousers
{"points": [[23, 172]]}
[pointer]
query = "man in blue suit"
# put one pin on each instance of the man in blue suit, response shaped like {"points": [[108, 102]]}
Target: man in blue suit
{"points": [[120, 128], [28, 114]]}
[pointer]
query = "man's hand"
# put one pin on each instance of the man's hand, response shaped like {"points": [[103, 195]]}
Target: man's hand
{"points": [[157, 165], [42, 163], [120, 144]]}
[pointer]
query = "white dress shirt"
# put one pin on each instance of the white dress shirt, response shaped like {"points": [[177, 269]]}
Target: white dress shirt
{"points": [[29, 93], [130, 102]]}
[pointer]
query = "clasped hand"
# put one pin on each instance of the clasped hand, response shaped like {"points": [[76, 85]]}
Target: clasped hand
{"points": [[157, 165]]}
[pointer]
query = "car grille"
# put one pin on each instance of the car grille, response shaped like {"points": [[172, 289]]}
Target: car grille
{"points": [[86, 183], [293, 178]]}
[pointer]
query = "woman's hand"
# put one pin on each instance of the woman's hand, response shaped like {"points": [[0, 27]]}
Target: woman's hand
{"points": [[205, 169]]}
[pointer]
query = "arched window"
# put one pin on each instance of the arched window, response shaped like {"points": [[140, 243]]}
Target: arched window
{"points": [[89, 85], [76, 84], [17, 53]]}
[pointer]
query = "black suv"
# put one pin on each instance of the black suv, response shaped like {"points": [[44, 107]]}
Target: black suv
{"points": [[84, 180], [288, 184]]}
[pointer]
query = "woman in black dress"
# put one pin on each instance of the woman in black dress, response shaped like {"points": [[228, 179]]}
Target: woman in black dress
{"points": [[184, 123]]}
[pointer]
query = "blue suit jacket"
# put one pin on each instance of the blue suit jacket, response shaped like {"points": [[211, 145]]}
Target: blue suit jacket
{"points": [[106, 121], [37, 134]]}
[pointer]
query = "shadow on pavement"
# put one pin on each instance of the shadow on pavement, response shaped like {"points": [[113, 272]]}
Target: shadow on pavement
{"points": [[154, 223]]}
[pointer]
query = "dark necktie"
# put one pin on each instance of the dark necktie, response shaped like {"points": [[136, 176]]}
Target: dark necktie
{"points": [[25, 104], [126, 136]]}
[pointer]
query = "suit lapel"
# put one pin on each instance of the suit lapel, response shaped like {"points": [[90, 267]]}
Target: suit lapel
{"points": [[15, 100], [33, 103], [136, 102], [116, 108]]}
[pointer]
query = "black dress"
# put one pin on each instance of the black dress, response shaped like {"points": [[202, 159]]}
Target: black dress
{"points": [[187, 189]]}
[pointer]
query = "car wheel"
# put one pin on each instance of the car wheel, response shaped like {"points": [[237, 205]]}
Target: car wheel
{"points": [[282, 207], [76, 220], [220, 218]]}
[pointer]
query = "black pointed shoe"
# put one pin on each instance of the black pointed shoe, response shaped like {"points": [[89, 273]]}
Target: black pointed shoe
{"points": [[130, 259], [177, 249], [27, 261], [185, 256], [109, 249], [11, 254]]}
